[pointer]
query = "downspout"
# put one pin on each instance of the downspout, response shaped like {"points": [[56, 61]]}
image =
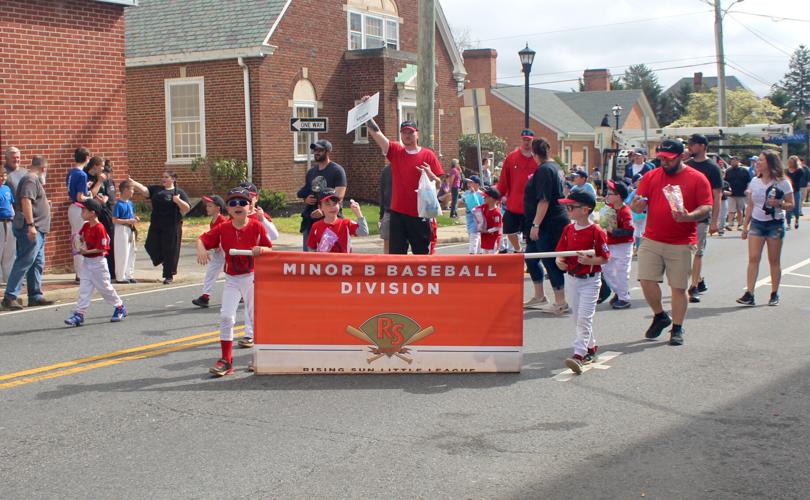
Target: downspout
{"points": [[248, 118]]}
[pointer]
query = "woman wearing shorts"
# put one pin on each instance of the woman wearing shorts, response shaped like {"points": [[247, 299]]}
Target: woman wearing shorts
{"points": [[769, 194]]}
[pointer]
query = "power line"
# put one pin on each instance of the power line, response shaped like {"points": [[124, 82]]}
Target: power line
{"points": [[652, 69], [580, 70], [760, 36], [748, 73], [772, 17]]}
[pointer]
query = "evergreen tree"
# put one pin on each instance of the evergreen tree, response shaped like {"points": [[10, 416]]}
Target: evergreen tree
{"points": [[796, 83]]}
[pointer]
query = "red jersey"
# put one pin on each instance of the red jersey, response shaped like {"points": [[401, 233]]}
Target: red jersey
{"points": [[219, 219], [493, 219], [624, 220], [95, 237], [589, 238], [227, 236], [405, 176], [515, 174], [333, 238], [255, 216], [661, 226]]}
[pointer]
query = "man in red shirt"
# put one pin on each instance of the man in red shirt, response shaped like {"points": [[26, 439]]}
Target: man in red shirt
{"points": [[675, 196], [408, 161], [515, 173]]}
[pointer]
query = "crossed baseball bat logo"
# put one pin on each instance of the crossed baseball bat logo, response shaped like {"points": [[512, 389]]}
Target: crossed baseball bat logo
{"points": [[375, 352]]}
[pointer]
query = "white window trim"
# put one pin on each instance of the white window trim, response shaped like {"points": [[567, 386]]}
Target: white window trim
{"points": [[363, 16], [401, 105], [358, 139], [567, 156], [586, 154], [168, 83], [303, 104]]}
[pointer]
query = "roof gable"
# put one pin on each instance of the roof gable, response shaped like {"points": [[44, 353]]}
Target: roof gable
{"points": [[592, 106], [709, 82]]}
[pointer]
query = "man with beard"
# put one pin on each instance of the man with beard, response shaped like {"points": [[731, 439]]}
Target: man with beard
{"points": [[324, 174], [518, 166], [675, 196]]}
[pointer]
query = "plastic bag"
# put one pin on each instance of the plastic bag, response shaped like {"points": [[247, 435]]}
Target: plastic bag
{"points": [[674, 196], [328, 241], [480, 221], [608, 219], [427, 199]]}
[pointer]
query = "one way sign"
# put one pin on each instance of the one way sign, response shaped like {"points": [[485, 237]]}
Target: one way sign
{"points": [[309, 125]]}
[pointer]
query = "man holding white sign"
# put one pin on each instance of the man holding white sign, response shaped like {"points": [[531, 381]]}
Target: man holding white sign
{"points": [[408, 161]]}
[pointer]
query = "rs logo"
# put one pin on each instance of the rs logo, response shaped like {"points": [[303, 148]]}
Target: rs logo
{"points": [[386, 328]]}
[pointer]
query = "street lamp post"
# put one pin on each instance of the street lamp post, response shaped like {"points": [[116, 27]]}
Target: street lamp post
{"points": [[617, 112], [807, 137], [526, 59]]}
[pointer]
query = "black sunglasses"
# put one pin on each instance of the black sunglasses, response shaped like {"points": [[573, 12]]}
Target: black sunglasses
{"points": [[238, 203]]}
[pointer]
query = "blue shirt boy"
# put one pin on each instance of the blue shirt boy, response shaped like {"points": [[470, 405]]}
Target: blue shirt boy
{"points": [[76, 183], [6, 202], [124, 209]]}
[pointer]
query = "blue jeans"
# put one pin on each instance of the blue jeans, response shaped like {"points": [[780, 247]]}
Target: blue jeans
{"points": [[29, 263], [546, 243], [797, 207]]}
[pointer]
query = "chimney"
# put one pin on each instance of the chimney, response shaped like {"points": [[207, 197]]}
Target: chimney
{"points": [[596, 80], [697, 82], [480, 65]]}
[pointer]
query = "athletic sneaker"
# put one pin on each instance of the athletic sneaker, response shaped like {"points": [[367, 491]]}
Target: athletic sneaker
{"points": [[657, 326], [604, 293], [75, 320], [621, 304], [613, 299], [133, 280], [201, 301], [591, 356], [246, 342], [575, 363], [555, 309], [774, 300], [119, 313], [701, 286], [535, 303], [694, 295], [747, 299], [221, 368], [12, 305], [676, 337]]}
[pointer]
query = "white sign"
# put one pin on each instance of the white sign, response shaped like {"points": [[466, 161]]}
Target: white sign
{"points": [[363, 112], [602, 137], [468, 120]]}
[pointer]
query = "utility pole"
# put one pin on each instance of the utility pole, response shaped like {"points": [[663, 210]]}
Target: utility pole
{"points": [[426, 72], [721, 64]]}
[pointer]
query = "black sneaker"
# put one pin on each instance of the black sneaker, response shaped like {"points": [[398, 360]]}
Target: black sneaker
{"points": [[604, 293], [774, 300], [613, 299], [11, 305], [657, 326], [747, 299], [590, 357], [701, 287], [201, 301], [621, 304], [575, 363], [694, 295], [133, 280], [676, 337]]}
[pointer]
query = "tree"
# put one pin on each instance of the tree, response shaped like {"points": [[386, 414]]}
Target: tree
{"points": [[464, 38], [796, 83], [744, 108]]}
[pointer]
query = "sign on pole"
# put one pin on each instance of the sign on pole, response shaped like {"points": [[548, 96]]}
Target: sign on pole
{"points": [[602, 138], [309, 125], [468, 120], [363, 112]]}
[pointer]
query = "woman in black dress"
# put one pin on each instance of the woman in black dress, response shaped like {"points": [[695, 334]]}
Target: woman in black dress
{"points": [[169, 205]]}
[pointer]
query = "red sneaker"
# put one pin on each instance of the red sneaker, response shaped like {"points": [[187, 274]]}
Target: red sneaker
{"points": [[221, 368]]}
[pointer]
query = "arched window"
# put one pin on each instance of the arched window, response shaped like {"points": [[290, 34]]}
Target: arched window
{"points": [[373, 24], [305, 105]]}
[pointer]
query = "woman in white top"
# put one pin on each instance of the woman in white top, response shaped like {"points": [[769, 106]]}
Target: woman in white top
{"points": [[769, 196]]}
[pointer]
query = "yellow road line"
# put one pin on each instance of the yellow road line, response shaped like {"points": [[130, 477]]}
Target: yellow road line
{"points": [[114, 354]]}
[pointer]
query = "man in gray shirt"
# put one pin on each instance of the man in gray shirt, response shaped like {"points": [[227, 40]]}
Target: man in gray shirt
{"points": [[32, 221]]}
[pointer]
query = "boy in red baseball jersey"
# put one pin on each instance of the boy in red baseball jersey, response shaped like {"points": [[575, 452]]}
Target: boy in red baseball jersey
{"points": [[332, 234], [620, 242], [243, 234], [493, 222], [583, 273], [94, 243], [214, 208]]}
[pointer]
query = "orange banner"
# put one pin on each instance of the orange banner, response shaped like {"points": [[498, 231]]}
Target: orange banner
{"points": [[383, 311]]}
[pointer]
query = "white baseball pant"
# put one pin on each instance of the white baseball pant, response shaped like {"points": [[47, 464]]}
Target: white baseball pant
{"points": [[617, 270], [475, 243], [216, 262], [76, 223], [8, 250], [95, 275], [124, 251], [584, 294], [236, 287]]}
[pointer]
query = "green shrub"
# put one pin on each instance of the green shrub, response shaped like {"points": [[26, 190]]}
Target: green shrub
{"points": [[224, 173], [272, 201]]}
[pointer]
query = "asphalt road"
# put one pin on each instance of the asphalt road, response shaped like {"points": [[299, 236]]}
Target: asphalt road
{"points": [[724, 416]]}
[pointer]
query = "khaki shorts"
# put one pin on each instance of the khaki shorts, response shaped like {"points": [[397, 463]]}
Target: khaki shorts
{"points": [[736, 203], [702, 235], [656, 258]]}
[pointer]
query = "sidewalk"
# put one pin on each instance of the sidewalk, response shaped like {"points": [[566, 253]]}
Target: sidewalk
{"points": [[62, 288]]}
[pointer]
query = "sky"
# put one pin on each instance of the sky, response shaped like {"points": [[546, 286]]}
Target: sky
{"points": [[673, 37]]}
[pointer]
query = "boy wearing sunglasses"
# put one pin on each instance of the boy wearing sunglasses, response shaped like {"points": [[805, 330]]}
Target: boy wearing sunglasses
{"points": [[583, 276], [241, 233]]}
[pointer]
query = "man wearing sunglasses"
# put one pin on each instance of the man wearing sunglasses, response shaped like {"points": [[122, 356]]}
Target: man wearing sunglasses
{"points": [[323, 175]]}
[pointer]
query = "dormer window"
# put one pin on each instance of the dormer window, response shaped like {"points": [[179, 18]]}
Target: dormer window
{"points": [[373, 24]]}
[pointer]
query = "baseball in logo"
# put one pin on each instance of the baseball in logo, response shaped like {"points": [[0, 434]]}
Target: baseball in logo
{"points": [[390, 334]]}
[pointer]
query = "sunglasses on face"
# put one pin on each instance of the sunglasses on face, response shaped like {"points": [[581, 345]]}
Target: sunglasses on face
{"points": [[238, 203], [573, 207]]}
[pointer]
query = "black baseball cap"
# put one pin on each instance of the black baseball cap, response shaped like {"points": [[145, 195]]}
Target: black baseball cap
{"points": [[328, 193], [238, 192], [619, 188], [473, 178], [493, 192], [216, 200], [580, 173], [92, 205], [670, 149], [409, 124], [698, 139], [321, 144], [583, 197]]}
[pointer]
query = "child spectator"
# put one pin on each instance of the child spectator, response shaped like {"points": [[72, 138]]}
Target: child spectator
{"points": [[620, 242], [332, 234], [639, 219], [94, 243], [493, 222], [214, 208], [256, 212], [583, 277], [472, 198], [243, 234], [124, 220], [8, 244]]}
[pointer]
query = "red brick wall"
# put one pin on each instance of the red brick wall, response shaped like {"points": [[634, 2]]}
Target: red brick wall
{"points": [[62, 85]]}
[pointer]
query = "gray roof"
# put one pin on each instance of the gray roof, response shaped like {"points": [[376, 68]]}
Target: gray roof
{"points": [[569, 112], [159, 27], [709, 82]]}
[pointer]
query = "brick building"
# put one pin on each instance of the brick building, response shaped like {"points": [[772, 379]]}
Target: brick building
{"points": [[192, 66], [62, 85], [566, 119]]}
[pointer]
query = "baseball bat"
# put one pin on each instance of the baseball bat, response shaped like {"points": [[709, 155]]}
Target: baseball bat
{"points": [[236, 251], [358, 334], [419, 335], [548, 255]]}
